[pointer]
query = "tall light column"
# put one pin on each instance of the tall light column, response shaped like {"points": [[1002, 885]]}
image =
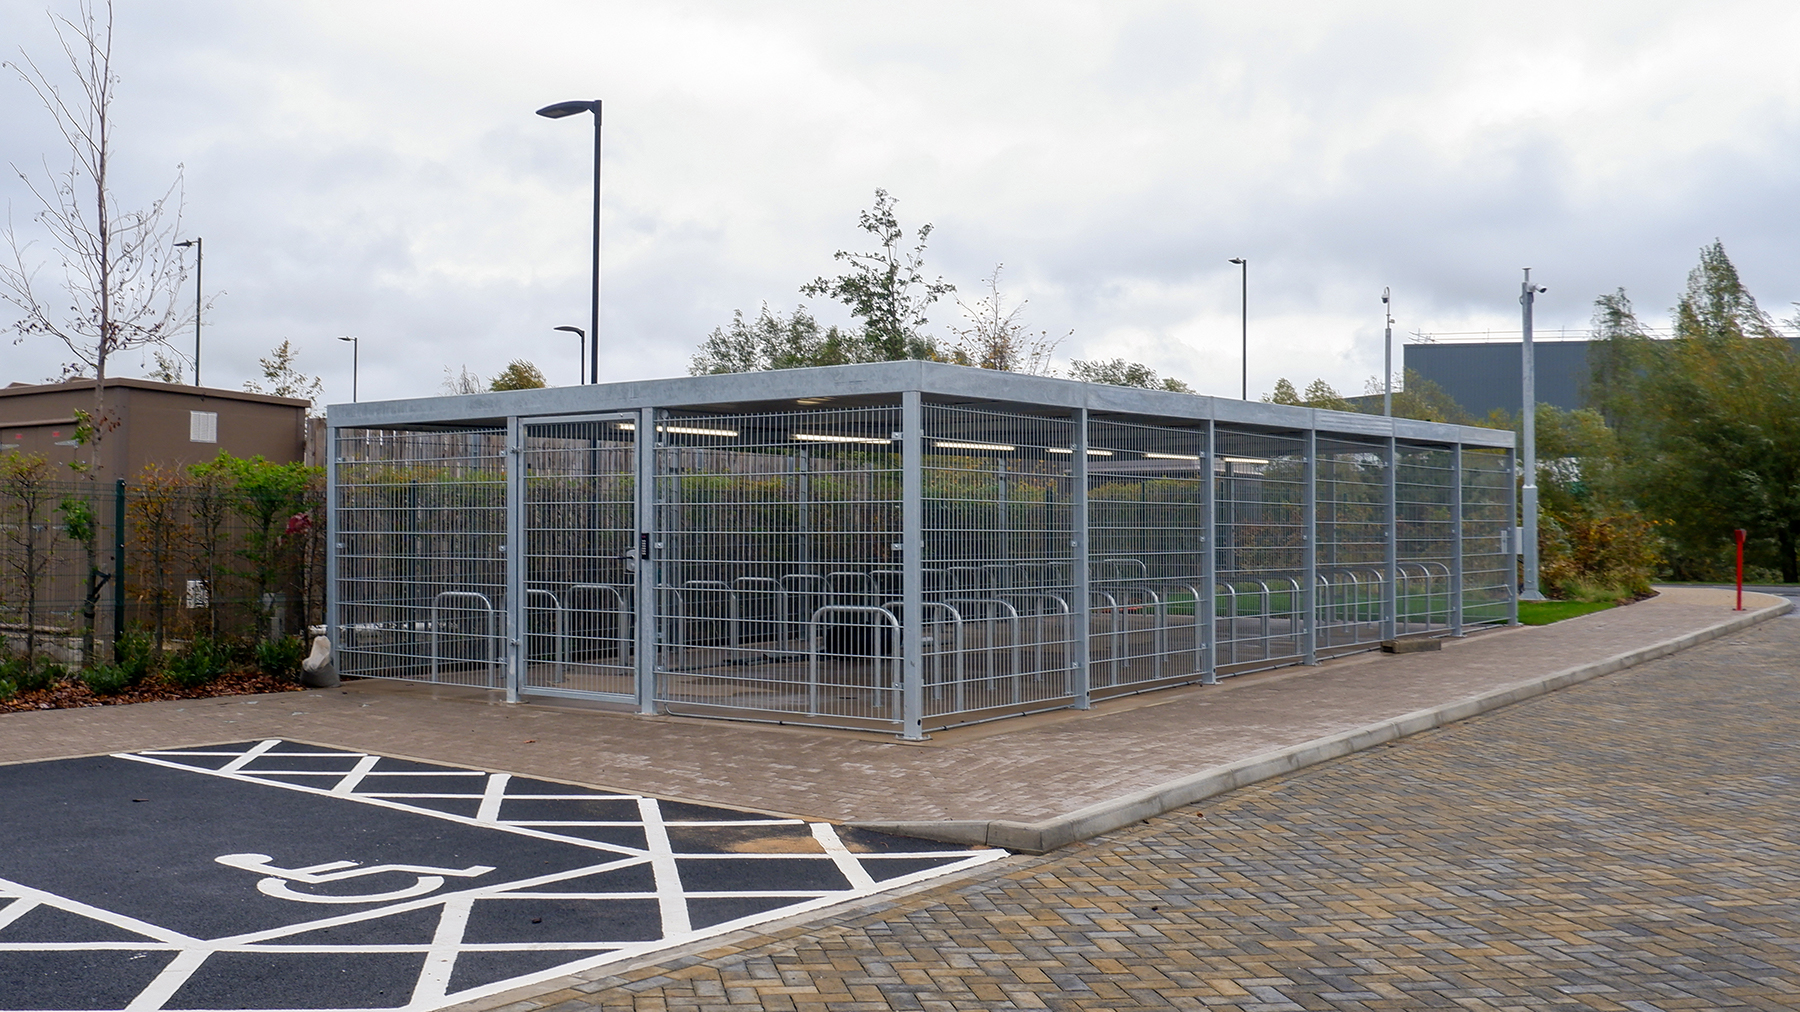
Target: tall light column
{"points": [[1528, 505], [558, 111], [199, 266], [355, 363], [580, 350], [1387, 373], [1244, 304]]}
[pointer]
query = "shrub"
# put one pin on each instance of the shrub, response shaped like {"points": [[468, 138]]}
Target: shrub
{"points": [[29, 676], [281, 657], [135, 654], [203, 661], [106, 679], [8, 689]]}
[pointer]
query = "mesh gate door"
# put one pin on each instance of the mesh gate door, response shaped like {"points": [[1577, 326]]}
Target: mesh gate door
{"points": [[580, 527]]}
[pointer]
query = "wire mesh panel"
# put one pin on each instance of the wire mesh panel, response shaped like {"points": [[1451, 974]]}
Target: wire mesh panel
{"points": [[1489, 568], [780, 563], [998, 595], [769, 578], [1147, 529], [421, 552], [580, 538], [1424, 534], [1352, 532], [1260, 502]]}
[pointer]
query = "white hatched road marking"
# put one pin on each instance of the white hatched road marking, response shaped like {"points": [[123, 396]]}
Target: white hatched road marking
{"points": [[432, 987], [668, 875]]}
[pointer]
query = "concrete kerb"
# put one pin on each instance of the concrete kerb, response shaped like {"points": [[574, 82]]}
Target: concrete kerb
{"points": [[1049, 834]]}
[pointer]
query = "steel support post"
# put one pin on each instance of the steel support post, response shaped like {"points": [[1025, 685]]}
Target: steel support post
{"points": [[1080, 669], [518, 633], [1456, 540], [1511, 539], [912, 565], [1390, 594], [118, 572], [1309, 554], [334, 546], [1206, 610], [645, 605]]}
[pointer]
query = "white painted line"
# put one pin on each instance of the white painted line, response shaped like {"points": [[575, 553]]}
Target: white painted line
{"points": [[676, 924], [166, 983], [475, 892], [597, 822], [16, 909], [859, 877], [117, 920], [364, 799], [249, 755], [491, 797], [440, 959]]}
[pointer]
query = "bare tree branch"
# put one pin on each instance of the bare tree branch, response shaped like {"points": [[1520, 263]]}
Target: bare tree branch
{"points": [[121, 276]]}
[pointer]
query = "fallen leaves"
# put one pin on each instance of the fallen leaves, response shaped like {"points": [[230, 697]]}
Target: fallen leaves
{"points": [[71, 693]]}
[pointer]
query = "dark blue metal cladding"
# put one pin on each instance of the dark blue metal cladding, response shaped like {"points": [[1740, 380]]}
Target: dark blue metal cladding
{"points": [[1485, 376]]}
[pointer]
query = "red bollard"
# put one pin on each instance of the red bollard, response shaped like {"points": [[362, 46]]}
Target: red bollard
{"points": [[1738, 535]]}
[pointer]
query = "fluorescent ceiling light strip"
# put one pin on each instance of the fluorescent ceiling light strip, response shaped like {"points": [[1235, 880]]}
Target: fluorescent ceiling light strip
{"points": [[947, 444], [1172, 456], [1071, 451], [820, 437], [1244, 460], [684, 430]]}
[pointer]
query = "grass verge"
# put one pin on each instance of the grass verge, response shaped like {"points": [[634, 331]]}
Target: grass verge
{"points": [[1546, 612]]}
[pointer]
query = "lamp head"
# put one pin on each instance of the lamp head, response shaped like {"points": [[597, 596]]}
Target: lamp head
{"points": [[187, 243], [572, 330], [1240, 261], [352, 340], [561, 109]]}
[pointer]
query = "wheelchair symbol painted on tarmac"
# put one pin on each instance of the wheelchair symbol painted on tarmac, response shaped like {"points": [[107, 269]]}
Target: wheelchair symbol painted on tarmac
{"points": [[276, 884]]}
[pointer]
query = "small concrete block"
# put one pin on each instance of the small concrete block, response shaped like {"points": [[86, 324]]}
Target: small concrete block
{"points": [[1410, 646]]}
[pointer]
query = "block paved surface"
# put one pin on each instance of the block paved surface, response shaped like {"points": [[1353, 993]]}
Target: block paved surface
{"points": [[1630, 843], [1022, 769]]}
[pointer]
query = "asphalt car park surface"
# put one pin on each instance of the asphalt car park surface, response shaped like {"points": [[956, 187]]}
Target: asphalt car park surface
{"points": [[279, 875]]}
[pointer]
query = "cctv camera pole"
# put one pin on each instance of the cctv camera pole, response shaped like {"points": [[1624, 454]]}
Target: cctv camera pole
{"points": [[1528, 505], [1387, 374]]}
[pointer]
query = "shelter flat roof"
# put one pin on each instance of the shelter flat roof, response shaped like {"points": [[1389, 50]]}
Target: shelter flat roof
{"points": [[880, 383]]}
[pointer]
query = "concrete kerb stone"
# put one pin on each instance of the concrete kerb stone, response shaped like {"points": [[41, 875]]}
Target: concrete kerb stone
{"points": [[1049, 834]]}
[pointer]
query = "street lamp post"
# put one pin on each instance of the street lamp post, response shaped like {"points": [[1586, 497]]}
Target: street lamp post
{"points": [[1528, 504], [1387, 373], [558, 111], [1244, 266], [199, 266], [355, 363], [580, 349]]}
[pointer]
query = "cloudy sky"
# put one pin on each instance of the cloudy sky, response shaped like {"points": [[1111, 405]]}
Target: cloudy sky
{"points": [[374, 169]]}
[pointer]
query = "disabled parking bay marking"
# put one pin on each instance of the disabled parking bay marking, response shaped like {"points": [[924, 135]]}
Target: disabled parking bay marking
{"points": [[275, 875]]}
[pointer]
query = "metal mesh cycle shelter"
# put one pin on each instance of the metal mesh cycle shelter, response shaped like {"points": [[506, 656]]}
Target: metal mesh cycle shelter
{"points": [[897, 547]]}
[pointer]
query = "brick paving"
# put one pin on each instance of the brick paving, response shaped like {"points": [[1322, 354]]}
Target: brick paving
{"points": [[1629, 843], [1023, 769]]}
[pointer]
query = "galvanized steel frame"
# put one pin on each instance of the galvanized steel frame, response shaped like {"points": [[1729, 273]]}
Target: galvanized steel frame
{"points": [[961, 651]]}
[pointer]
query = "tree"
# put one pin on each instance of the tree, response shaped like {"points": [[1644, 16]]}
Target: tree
{"points": [[1319, 394], [996, 339], [25, 492], [284, 378], [168, 368], [1120, 373], [466, 382], [886, 289], [519, 375], [772, 342], [121, 277], [1708, 423]]}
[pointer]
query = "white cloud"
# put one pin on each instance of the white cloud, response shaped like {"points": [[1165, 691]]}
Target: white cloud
{"points": [[376, 169]]}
